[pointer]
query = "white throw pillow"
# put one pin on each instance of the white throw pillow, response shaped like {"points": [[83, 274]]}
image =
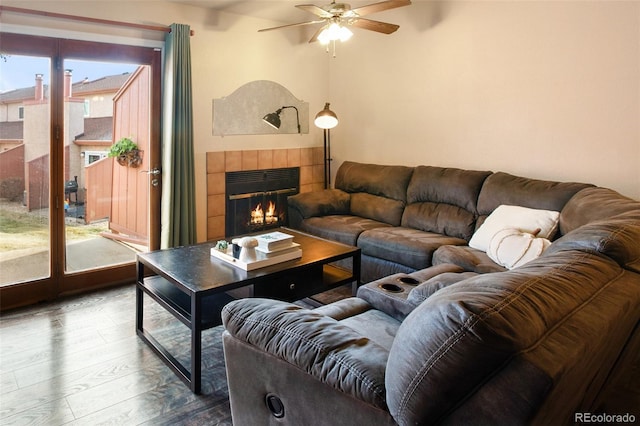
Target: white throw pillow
{"points": [[522, 218], [512, 248]]}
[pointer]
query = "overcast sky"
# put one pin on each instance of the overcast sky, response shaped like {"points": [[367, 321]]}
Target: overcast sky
{"points": [[20, 71]]}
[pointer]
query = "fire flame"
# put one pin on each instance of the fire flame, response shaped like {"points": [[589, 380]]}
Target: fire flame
{"points": [[259, 217]]}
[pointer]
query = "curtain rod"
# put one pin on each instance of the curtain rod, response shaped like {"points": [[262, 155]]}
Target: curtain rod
{"points": [[86, 19]]}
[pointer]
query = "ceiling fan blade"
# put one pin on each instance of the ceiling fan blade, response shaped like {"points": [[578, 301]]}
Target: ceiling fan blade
{"points": [[316, 10], [290, 25], [379, 7], [381, 27], [316, 34]]}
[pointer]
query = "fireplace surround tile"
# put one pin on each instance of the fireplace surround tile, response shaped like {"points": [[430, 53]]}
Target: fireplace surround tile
{"points": [[265, 159], [215, 162], [293, 157], [279, 158], [232, 161], [215, 183], [215, 205], [306, 175], [249, 160], [310, 161]]}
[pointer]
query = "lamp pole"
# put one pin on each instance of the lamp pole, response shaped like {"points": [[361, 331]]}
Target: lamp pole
{"points": [[327, 158], [326, 119]]}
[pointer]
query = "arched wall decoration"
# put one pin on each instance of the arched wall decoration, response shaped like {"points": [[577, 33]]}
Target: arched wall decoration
{"points": [[241, 112]]}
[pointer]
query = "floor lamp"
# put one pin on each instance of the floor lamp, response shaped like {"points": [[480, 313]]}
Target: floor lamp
{"points": [[326, 119]]}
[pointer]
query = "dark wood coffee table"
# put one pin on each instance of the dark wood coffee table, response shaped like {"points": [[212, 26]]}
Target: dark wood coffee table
{"points": [[194, 286]]}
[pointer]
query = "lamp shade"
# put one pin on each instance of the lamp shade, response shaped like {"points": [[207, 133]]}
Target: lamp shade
{"points": [[273, 119], [326, 119], [333, 32]]}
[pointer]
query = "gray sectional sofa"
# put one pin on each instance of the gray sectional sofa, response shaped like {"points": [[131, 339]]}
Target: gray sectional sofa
{"points": [[442, 334], [400, 216]]}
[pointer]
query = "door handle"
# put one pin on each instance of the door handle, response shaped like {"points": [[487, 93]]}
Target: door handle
{"points": [[153, 172]]}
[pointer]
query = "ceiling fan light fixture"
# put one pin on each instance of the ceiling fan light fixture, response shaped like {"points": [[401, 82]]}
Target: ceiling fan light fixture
{"points": [[334, 32], [345, 33]]}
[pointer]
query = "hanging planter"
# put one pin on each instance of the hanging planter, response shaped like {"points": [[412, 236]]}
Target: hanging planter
{"points": [[126, 153]]}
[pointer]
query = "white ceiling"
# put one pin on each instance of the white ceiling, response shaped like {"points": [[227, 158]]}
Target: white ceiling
{"points": [[276, 10]]}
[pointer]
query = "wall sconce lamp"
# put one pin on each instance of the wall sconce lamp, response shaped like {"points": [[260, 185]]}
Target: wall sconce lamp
{"points": [[273, 118], [326, 119]]}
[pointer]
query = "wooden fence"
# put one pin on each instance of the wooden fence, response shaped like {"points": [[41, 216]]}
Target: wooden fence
{"points": [[99, 181]]}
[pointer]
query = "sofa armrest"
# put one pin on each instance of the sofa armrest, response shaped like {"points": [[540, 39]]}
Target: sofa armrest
{"points": [[319, 345], [398, 294], [318, 203]]}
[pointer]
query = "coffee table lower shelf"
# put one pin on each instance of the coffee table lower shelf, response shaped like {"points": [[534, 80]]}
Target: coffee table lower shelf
{"points": [[178, 304]]}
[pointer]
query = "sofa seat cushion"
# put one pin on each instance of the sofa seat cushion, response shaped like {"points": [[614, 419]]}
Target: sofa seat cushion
{"points": [[375, 325], [470, 259], [406, 246], [342, 228]]}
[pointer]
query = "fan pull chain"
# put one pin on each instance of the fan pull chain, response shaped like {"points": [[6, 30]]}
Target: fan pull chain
{"points": [[333, 42]]}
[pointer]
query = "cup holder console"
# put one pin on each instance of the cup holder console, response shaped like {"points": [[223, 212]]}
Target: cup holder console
{"points": [[391, 288], [408, 280]]}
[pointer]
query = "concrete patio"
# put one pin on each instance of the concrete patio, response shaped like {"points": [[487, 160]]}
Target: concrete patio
{"points": [[23, 265]]}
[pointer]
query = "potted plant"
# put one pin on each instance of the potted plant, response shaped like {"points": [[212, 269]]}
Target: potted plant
{"points": [[126, 153]]}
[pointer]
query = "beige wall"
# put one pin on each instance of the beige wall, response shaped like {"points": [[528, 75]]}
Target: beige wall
{"points": [[546, 89]]}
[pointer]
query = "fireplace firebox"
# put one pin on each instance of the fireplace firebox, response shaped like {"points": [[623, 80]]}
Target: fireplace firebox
{"points": [[257, 199]]}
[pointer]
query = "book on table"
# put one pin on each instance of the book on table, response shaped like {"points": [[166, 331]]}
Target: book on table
{"points": [[261, 259], [274, 241]]}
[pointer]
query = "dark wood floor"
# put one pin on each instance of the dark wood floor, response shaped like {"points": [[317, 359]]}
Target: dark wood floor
{"points": [[78, 361]]}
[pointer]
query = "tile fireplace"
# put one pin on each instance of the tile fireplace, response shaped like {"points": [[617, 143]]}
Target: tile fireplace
{"points": [[256, 200]]}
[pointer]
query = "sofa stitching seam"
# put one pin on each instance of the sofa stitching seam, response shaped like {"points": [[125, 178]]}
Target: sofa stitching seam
{"points": [[460, 333]]}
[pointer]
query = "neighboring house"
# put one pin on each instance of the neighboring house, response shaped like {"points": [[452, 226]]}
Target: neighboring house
{"points": [[89, 131]]}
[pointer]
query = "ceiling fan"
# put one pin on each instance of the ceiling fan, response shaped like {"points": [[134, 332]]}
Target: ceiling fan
{"points": [[337, 16]]}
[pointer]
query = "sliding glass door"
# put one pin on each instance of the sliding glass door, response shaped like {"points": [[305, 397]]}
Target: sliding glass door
{"points": [[25, 102], [76, 217]]}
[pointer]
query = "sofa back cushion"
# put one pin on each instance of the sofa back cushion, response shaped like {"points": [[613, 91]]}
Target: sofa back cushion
{"points": [[377, 208], [568, 316], [378, 192], [593, 204], [617, 237], [443, 200], [503, 188], [385, 181]]}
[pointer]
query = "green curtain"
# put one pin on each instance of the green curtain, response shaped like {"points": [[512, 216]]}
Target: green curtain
{"points": [[178, 177]]}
